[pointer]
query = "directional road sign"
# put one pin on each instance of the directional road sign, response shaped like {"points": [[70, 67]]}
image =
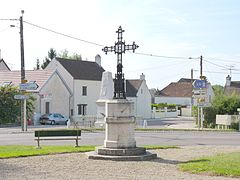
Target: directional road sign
{"points": [[199, 84], [20, 96], [28, 86]]}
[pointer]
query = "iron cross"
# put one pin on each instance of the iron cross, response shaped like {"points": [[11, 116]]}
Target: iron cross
{"points": [[119, 48]]}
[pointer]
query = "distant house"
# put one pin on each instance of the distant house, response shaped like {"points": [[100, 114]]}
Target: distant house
{"points": [[4, 66], [231, 87], [138, 92], [84, 80], [180, 93]]}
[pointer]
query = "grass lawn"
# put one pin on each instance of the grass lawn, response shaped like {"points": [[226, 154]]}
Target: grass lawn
{"points": [[12, 151], [21, 151], [223, 164]]}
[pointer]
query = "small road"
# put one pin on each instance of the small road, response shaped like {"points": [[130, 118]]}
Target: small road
{"points": [[183, 138]]}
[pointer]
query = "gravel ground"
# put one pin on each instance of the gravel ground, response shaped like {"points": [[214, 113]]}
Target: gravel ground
{"points": [[77, 166]]}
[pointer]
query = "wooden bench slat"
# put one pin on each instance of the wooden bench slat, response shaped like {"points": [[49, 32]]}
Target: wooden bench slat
{"points": [[57, 139], [42, 134]]}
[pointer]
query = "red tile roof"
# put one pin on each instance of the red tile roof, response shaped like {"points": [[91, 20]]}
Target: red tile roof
{"points": [[40, 76], [177, 89]]}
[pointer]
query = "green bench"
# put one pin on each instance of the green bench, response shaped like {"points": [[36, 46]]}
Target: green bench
{"points": [[57, 135]]}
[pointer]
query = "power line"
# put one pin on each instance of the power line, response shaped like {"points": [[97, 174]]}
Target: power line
{"points": [[161, 56], [215, 64], [224, 60], [62, 34]]}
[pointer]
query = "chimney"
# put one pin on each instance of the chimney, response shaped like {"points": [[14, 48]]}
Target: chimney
{"points": [[98, 59], [142, 76], [228, 80]]}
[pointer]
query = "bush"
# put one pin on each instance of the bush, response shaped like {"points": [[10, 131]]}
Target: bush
{"points": [[209, 117]]}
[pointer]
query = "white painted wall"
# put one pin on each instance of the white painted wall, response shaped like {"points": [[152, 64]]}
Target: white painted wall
{"points": [[173, 100], [93, 92], [54, 64], [67, 77], [142, 103], [55, 92]]}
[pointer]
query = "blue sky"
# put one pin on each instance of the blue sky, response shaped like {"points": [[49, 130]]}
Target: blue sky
{"points": [[173, 28]]}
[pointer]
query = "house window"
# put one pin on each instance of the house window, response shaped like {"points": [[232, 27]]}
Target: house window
{"points": [[84, 90], [141, 91], [82, 109], [47, 107]]}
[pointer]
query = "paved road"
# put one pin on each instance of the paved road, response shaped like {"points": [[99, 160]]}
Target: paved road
{"points": [[15, 136]]}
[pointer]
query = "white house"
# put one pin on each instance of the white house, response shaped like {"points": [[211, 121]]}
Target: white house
{"points": [[138, 92], [84, 80], [50, 94]]}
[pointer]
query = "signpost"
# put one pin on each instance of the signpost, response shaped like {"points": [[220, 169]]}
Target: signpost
{"points": [[200, 94], [28, 86], [199, 84], [20, 96], [23, 87]]}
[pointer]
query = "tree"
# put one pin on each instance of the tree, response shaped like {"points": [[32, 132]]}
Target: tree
{"points": [[76, 56], [52, 53], [218, 90], [10, 107], [45, 63], [65, 54], [221, 104], [37, 65]]}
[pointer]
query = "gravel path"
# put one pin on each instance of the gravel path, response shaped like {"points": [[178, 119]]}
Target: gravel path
{"points": [[77, 166]]}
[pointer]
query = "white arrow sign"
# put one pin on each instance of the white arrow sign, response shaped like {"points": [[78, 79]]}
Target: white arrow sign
{"points": [[28, 86], [20, 96]]}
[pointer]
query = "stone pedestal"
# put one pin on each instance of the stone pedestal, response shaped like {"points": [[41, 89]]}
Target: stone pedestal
{"points": [[120, 124], [119, 143]]}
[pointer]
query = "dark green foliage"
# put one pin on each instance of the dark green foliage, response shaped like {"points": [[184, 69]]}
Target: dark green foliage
{"points": [[222, 104], [37, 65], [162, 105], [52, 53], [209, 117], [45, 63], [10, 107]]}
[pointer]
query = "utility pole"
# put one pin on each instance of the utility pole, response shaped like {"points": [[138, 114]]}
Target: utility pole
{"points": [[23, 102], [201, 67], [200, 123]]}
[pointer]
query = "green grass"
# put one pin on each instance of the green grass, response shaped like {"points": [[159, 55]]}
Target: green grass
{"points": [[22, 151], [12, 151], [223, 164]]}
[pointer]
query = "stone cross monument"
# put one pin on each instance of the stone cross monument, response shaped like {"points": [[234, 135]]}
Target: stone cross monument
{"points": [[119, 143]]}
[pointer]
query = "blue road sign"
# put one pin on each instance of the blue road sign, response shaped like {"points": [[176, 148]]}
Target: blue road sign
{"points": [[28, 86], [199, 84]]}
